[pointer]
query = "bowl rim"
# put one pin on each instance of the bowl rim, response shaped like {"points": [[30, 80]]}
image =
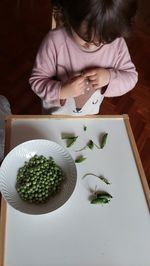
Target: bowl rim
{"points": [[41, 141]]}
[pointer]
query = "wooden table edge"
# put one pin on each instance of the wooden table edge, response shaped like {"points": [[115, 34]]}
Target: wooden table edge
{"points": [[138, 161], [3, 202]]}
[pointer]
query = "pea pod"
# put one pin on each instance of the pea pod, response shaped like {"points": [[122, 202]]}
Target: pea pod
{"points": [[104, 179], [103, 195], [101, 198], [80, 159], [70, 139], [103, 141], [90, 145], [100, 201], [84, 128]]}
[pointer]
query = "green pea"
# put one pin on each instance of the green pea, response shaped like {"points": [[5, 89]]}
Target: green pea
{"points": [[38, 179]]}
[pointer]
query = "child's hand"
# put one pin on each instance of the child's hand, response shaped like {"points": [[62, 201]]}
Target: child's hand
{"points": [[73, 88], [98, 77]]}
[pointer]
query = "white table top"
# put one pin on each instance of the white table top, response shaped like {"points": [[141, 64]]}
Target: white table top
{"points": [[80, 233]]}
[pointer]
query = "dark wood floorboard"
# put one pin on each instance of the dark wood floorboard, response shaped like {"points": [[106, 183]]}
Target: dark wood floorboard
{"points": [[24, 23]]}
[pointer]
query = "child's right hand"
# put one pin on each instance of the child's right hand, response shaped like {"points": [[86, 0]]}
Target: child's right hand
{"points": [[73, 88]]}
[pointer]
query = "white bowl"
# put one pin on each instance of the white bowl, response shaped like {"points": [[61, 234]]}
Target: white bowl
{"points": [[23, 152]]}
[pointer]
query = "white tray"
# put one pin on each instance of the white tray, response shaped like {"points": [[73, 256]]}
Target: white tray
{"points": [[79, 233]]}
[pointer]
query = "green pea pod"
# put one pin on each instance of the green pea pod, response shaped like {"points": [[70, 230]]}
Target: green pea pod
{"points": [[103, 195], [70, 139], [84, 128], [80, 159], [101, 200], [105, 180], [104, 139], [90, 144]]}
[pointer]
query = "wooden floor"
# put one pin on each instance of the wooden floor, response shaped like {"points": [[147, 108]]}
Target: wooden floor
{"points": [[24, 23]]}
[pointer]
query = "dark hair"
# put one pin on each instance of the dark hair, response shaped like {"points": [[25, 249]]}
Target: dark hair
{"points": [[108, 18]]}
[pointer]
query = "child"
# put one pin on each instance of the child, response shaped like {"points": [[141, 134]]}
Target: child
{"points": [[86, 60]]}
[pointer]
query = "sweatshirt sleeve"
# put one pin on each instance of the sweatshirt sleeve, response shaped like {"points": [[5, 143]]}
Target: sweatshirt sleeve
{"points": [[42, 79], [123, 76]]}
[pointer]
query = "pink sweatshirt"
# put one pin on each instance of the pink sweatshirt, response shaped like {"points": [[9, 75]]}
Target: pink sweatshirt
{"points": [[59, 58]]}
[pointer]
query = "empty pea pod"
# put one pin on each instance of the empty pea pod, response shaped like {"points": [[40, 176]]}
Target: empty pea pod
{"points": [[103, 141]]}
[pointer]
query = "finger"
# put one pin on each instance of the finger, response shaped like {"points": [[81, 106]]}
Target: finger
{"points": [[77, 74], [93, 82], [96, 86], [81, 90], [80, 79], [90, 73], [87, 82], [94, 77]]}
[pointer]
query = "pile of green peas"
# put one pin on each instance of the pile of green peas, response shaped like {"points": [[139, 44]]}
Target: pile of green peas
{"points": [[39, 179]]}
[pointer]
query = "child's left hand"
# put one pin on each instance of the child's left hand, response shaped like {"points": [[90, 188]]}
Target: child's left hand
{"points": [[98, 77]]}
